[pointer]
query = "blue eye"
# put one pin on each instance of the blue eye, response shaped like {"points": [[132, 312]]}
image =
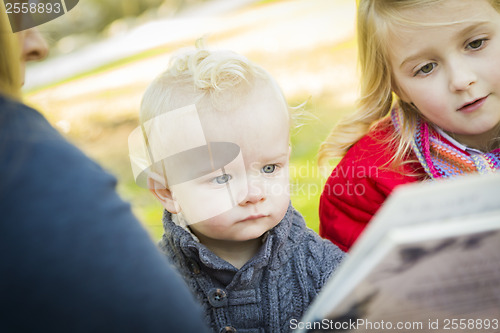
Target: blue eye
{"points": [[223, 179], [269, 168]]}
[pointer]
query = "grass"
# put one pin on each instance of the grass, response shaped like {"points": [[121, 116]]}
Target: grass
{"points": [[107, 67], [305, 177], [265, 2]]}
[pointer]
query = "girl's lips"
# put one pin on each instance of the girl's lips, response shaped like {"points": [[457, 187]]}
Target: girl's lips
{"points": [[471, 107]]}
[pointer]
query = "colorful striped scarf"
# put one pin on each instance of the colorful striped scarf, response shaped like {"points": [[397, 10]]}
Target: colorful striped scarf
{"points": [[440, 158]]}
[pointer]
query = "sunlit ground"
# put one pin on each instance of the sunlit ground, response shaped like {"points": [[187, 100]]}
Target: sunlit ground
{"points": [[308, 45]]}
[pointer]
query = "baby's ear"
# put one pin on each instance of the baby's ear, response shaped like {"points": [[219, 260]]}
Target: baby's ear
{"points": [[163, 194]]}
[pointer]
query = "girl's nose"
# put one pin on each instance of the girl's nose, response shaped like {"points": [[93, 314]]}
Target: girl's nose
{"points": [[462, 75], [34, 46]]}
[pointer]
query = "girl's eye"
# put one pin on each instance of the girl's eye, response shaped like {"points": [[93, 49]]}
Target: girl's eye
{"points": [[426, 69], [270, 168], [223, 179], [476, 44]]}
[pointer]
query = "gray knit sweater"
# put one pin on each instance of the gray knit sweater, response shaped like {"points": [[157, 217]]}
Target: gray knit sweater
{"points": [[272, 288]]}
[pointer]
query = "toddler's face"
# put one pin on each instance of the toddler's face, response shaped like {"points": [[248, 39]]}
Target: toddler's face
{"points": [[250, 195], [451, 72]]}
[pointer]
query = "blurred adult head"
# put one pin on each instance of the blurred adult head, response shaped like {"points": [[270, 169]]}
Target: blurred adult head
{"points": [[10, 62], [15, 51]]}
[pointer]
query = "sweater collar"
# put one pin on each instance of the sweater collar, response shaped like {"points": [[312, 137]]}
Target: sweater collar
{"points": [[184, 245]]}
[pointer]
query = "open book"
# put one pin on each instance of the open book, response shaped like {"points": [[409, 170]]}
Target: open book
{"points": [[428, 262]]}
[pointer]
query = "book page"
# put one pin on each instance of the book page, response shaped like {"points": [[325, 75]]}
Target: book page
{"points": [[439, 263], [455, 277]]}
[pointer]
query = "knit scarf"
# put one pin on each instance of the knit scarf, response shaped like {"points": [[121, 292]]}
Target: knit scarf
{"points": [[439, 157]]}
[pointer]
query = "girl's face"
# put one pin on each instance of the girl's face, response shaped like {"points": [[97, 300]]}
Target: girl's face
{"points": [[451, 71]]}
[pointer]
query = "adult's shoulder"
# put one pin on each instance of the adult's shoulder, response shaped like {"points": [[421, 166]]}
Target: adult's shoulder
{"points": [[36, 158], [67, 237], [19, 122]]}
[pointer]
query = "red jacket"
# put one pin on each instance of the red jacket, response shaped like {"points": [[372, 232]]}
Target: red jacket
{"points": [[359, 185]]}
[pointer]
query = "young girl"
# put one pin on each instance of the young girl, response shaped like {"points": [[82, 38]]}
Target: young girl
{"points": [[429, 106], [216, 129]]}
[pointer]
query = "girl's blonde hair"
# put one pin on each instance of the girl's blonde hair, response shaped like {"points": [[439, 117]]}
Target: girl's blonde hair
{"points": [[375, 22], [10, 62]]}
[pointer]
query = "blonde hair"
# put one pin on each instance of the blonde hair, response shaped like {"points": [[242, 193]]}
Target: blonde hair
{"points": [[10, 62], [375, 18], [212, 79]]}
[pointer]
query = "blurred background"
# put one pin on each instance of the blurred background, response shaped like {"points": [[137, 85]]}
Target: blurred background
{"points": [[105, 53]]}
